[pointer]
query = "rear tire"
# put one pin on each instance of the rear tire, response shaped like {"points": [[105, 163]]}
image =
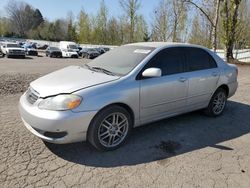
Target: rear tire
{"points": [[110, 128], [217, 103]]}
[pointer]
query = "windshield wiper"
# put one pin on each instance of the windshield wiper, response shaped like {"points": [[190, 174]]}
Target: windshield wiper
{"points": [[99, 69], [103, 70], [86, 65]]}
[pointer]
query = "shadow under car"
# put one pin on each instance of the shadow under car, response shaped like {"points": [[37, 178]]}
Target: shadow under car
{"points": [[164, 139]]}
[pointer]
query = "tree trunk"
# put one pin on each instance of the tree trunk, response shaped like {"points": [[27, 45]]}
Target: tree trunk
{"points": [[229, 51], [175, 31], [232, 30], [215, 25]]}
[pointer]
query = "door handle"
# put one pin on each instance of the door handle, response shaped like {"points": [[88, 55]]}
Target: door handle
{"points": [[215, 74], [182, 79]]}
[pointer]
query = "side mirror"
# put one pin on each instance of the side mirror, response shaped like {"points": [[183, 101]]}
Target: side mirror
{"points": [[152, 73], [4, 46]]}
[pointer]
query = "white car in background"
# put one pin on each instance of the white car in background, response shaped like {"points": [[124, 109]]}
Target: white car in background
{"points": [[12, 50], [69, 49]]}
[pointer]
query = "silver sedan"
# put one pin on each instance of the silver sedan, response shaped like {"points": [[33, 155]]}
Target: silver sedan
{"points": [[129, 86]]}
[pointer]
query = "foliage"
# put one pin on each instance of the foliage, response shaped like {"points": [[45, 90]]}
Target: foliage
{"points": [[223, 23]]}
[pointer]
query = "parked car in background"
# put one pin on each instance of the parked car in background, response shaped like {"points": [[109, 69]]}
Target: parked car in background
{"points": [[30, 50], [69, 54], [100, 50], [53, 52], [106, 49], [90, 53], [69, 49], [42, 47], [132, 85], [79, 51], [12, 50]]}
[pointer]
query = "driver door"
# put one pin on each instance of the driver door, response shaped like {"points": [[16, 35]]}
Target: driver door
{"points": [[166, 95]]}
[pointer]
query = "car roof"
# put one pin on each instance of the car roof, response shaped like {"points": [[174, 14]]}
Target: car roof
{"points": [[164, 44]]}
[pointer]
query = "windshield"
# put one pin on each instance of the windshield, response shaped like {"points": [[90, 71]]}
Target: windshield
{"points": [[73, 47], [92, 50], [121, 60], [54, 48], [13, 45]]}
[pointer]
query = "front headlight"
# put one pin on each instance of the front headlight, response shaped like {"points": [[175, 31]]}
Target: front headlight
{"points": [[60, 102]]}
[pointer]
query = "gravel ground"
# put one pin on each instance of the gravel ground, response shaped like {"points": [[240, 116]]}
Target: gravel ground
{"points": [[191, 150], [15, 83]]}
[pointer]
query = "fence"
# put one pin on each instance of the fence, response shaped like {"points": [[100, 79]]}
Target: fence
{"points": [[241, 55]]}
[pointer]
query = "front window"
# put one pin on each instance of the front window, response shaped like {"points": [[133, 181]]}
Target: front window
{"points": [[13, 45], [121, 60], [91, 50], [73, 47]]}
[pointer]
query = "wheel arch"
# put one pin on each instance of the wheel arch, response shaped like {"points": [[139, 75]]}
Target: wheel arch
{"points": [[225, 87], [123, 105]]}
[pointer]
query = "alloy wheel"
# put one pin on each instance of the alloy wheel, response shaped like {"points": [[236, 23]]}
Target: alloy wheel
{"points": [[219, 103], [113, 129]]}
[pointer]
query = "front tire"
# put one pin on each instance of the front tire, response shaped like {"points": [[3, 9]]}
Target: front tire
{"points": [[110, 128], [217, 103]]}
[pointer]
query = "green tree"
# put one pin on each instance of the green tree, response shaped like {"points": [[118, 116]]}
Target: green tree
{"points": [[37, 18], [5, 27], [160, 27], [113, 32], [101, 26], [141, 29], [230, 23], [84, 28], [131, 8], [200, 32], [24, 17], [210, 10], [71, 32]]}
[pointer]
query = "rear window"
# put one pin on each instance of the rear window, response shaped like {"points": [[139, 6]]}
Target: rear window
{"points": [[199, 59]]}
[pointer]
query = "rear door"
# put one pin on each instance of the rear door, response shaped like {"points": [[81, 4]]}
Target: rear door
{"points": [[165, 95], [203, 77]]}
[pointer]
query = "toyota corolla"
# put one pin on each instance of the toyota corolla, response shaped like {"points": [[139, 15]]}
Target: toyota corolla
{"points": [[129, 86]]}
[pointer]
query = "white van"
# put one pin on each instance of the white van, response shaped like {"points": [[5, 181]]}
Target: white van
{"points": [[69, 49]]}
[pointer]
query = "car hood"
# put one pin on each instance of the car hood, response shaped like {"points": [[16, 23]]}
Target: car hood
{"points": [[68, 80]]}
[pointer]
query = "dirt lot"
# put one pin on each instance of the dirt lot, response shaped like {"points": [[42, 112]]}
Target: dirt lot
{"points": [[191, 150]]}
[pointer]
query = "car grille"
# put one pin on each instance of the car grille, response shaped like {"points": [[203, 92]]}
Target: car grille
{"points": [[32, 96], [16, 52]]}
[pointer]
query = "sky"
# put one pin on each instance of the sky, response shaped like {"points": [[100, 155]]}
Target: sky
{"points": [[53, 9]]}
